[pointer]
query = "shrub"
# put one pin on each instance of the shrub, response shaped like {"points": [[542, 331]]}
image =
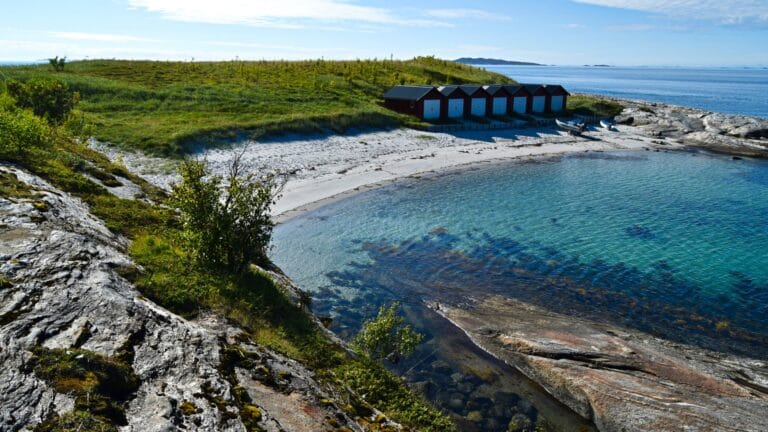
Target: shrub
{"points": [[20, 132], [57, 63], [225, 228], [47, 98], [387, 336]]}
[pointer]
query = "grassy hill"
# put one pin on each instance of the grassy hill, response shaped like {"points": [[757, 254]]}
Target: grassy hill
{"points": [[170, 108]]}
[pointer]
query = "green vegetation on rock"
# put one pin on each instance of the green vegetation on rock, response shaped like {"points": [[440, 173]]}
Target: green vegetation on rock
{"points": [[171, 108], [100, 385]]}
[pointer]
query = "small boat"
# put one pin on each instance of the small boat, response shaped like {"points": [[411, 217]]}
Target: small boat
{"points": [[572, 127], [607, 124]]}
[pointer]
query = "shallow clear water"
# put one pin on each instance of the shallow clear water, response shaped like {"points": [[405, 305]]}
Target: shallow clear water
{"points": [[669, 243], [727, 90]]}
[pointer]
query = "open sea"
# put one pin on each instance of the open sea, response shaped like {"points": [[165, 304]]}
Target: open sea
{"points": [[673, 244], [727, 90]]}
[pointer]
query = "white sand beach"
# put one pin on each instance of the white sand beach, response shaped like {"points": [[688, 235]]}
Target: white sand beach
{"points": [[323, 168]]}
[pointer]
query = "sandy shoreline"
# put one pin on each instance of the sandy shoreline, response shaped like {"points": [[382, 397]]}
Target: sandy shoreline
{"points": [[323, 169]]}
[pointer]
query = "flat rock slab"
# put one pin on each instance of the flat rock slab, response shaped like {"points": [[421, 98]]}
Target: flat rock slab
{"points": [[622, 380]]}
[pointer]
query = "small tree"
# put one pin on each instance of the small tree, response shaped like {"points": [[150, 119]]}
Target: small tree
{"points": [[50, 99], [57, 63], [225, 227], [387, 336]]}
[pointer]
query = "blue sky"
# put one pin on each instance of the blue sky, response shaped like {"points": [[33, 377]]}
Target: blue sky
{"points": [[565, 32]]}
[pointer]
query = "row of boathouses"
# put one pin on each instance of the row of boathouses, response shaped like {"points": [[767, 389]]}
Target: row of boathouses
{"points": [[462, 101]]}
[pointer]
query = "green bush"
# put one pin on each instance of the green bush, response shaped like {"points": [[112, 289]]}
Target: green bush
{"points": [[20, 133], [387, 336], [47, 98], [225, 228]]}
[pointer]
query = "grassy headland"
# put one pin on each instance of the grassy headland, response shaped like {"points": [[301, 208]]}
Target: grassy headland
{"points": [[169, 108]]}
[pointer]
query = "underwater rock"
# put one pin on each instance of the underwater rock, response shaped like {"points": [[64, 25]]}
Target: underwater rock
{"points": [[623, 380]]}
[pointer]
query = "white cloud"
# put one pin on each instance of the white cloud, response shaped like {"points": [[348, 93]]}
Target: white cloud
{"points": [[726, 12], [574, 26], [270, 13], [466, 14], [98, 37]]}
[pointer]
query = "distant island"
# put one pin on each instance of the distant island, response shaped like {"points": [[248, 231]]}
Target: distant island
{"points": [[489, 61]]}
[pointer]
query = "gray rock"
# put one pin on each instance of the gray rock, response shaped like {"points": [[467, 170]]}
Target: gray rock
{"points": [[62, 264], [726, 133]]}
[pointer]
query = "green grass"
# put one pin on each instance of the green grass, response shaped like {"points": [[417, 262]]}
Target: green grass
{"points": [[170, 108], [593, 106]]}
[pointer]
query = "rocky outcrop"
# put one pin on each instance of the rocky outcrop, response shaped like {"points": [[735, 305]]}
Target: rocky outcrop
{"points": [[61, 288], [622, 380], [725, 133]]}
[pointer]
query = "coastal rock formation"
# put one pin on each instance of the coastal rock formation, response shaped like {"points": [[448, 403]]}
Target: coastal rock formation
{"points": [[622, 380], [62, 289], [725, 133]]}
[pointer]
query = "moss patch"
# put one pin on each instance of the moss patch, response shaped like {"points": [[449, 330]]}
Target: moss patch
{"points": [[101, 385], [12, 187], [81, 421], [188, 408]]}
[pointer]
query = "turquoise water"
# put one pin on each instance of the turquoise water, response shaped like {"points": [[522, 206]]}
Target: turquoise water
{"points": [[727, 90], [669, 243], [673, 244]]}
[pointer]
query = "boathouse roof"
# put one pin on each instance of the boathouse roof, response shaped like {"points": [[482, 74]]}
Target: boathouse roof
{"points": [[410, 93]]}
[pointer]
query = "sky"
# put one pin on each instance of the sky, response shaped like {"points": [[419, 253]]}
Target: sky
{"points": [[561, 32]]}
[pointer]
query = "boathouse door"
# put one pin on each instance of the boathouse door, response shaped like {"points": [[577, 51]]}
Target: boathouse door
{"points": [[520, 105], [478, 107], [455, 108], [499, 106], [431, 109], [557, 103]]}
